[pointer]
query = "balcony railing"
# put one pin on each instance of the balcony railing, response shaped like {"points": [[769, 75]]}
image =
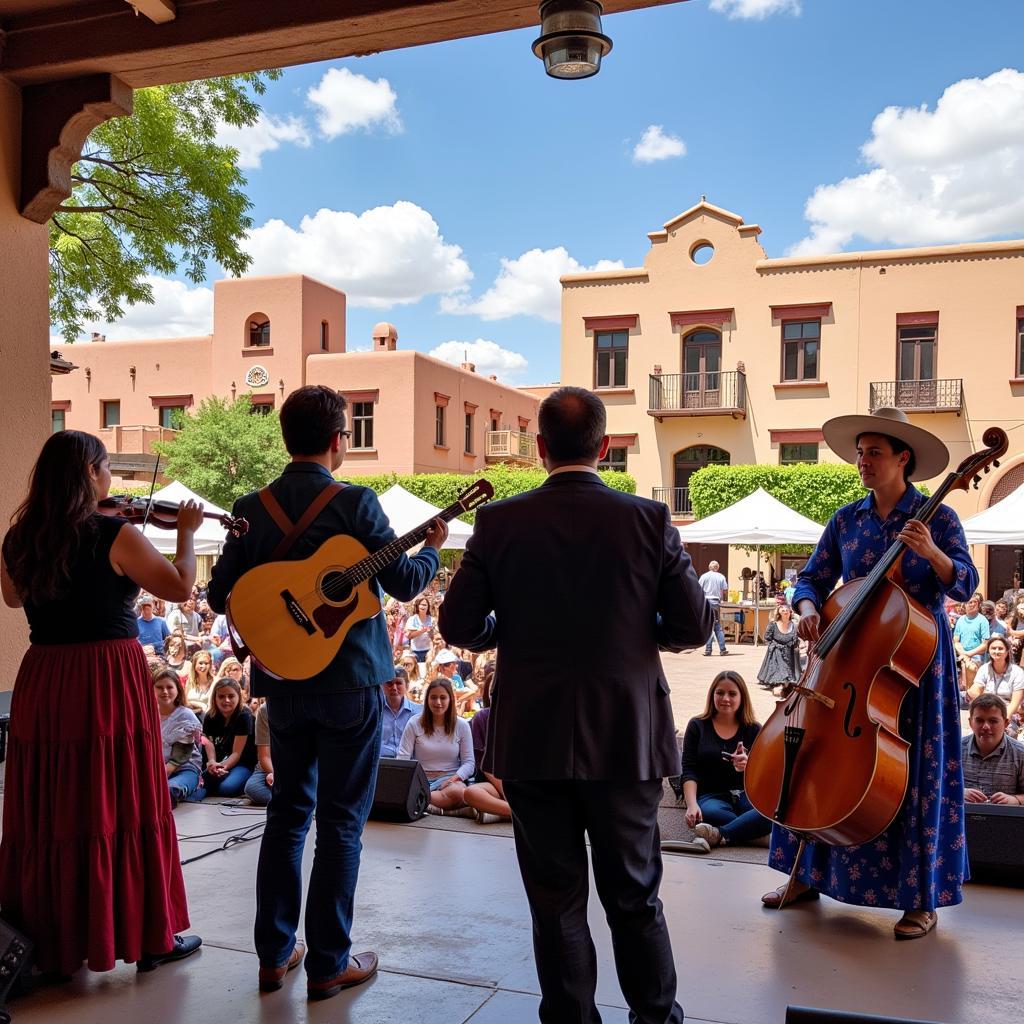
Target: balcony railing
{"points": [[677, 499], [510, 446], [722, 393], [919, 395]]}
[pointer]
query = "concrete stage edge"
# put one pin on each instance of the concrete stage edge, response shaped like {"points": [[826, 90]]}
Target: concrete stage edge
{"points": [[446, 912]]}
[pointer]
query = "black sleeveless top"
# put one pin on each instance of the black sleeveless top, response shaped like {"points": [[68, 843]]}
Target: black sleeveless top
{"points": [[98, 604]]}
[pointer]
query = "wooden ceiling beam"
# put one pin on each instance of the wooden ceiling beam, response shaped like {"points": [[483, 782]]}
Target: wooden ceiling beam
{"points": [[158, 11], [218, 37]]}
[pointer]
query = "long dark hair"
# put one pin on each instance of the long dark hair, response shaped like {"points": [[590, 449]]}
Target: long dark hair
{"points": [[49, 528], [427, 717]]}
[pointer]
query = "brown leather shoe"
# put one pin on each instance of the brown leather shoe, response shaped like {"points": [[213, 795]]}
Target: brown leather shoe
{"points": [[272, 978], [360, 967]]}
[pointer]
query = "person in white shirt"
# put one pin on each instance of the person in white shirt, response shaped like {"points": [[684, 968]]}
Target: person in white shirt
{"points": [[715, 588], [999, 675]]}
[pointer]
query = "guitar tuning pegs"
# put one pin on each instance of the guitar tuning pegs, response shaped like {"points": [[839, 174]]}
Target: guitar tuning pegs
{"points": [[995, 462], [977, 479], [987, 468]]}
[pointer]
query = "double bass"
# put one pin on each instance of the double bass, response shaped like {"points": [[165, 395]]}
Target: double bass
{"points": [[830, 763]]}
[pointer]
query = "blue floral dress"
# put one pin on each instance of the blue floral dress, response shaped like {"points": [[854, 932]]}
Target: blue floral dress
{"points": [[920, 861]]}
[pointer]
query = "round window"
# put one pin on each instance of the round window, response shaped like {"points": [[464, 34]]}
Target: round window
{"points": [[702, 252]]}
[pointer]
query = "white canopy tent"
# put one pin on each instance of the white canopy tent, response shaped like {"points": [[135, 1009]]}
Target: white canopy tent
{"points": [[1002, 523], [755, 520], [405, 512], [210, 536]]}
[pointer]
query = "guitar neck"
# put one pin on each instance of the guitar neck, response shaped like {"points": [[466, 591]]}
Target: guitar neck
{"points": [[372, 564]]}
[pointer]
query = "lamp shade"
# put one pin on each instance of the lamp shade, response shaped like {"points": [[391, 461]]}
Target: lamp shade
{"points": [[571, 43]]}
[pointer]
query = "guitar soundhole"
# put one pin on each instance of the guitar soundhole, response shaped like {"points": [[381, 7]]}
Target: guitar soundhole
{"points": [[334, 588]]}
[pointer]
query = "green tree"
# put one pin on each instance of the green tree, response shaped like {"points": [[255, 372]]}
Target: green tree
{"points": [[224, 450], [152, 193]]}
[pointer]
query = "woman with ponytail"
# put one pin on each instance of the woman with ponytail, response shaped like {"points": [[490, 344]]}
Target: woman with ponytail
{"points": [[89, 864]]}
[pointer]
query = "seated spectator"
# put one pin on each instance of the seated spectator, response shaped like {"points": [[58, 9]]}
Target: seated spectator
{"points": [[442, 743], [999, 675], [414, 669], [486, 797], [988, 609], [176, 656], [1015, 631], [993, 763], [231, 668], [398, 709], [969, 636], [447, 664], [186, 620], [1015, 593], [227, 741], [260, 787], [179, 732], [715, 748], [200, 682], [153, 631], [419, 628]]}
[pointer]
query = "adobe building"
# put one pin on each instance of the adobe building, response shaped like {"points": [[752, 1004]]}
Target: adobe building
{"points": [[408, 412], [712, 353]]}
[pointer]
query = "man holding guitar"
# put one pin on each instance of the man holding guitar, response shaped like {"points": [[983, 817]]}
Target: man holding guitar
{"points": [[324, 729]]}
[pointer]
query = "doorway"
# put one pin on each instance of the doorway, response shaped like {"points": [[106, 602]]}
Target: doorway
{"points": [[685, 464], [702, 370]]}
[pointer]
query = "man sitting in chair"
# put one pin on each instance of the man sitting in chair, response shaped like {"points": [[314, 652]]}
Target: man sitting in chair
{"points": [[993, 763]]}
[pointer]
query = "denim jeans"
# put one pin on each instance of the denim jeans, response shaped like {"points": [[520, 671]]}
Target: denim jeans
{"points": [[231, 784], [734, 816], [716, 633], [325, 749], [257, 790], [183, 782]]}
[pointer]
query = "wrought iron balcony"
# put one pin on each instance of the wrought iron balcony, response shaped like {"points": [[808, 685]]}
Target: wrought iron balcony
{"points": [[510, 446], [919, 395], [677, 499], [722, 393]]}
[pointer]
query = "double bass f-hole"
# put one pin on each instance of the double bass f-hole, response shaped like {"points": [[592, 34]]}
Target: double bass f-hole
{"points": [[849, 711]]}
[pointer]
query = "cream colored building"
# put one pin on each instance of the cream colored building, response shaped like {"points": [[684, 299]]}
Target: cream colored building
{"points": [[409, 412], [711, 352]]}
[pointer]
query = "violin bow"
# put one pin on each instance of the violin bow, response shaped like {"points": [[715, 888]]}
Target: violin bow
{"points": [[152, 488]]}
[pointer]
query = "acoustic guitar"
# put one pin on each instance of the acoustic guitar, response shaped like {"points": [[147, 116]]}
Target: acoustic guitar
{"points": [[293, 617]]}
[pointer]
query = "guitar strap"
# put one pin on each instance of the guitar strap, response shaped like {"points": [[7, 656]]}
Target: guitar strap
{"points": [[293, 531]]}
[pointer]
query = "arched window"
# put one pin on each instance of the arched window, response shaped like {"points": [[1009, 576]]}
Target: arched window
{"points": [[259, 330], [685, 464], [702, 366]]}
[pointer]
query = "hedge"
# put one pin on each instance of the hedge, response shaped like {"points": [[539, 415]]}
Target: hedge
{"points": [[441, 489]]}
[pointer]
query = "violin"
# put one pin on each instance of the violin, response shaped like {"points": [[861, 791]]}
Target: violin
{"points": [[830, 763], [163, 514]]}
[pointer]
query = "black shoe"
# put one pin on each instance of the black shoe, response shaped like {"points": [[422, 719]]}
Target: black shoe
{"points": [[707, 654], [723, 652], [184, 945]]}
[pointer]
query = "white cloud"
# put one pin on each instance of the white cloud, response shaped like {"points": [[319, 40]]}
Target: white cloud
{"points": [[488, 356], [944, 175], [757, 10], [390, 255], [655, 144], [346, 102], [178, 311], [265, 135], [527, 285]]}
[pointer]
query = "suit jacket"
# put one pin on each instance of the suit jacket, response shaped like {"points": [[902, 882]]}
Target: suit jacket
{"points": [[365, 658], [585, 584]]}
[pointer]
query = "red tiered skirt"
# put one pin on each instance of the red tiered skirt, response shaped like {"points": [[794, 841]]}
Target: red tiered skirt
{"points": [[89, 864]]}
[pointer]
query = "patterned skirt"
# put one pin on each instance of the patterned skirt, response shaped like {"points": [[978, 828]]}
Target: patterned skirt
{"points": [[89, 863]]}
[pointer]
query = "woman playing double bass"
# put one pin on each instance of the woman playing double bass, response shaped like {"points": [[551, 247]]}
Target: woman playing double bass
{"points": [[919, 862]]}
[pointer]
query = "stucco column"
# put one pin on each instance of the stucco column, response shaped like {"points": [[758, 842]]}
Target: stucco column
{"points": [[24, 353]]}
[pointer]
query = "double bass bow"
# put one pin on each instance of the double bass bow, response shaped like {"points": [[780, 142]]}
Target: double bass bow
{"points": [[830, 763]]}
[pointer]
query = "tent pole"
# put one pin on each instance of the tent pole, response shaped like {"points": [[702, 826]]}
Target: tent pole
{"points": [[757, 598]]}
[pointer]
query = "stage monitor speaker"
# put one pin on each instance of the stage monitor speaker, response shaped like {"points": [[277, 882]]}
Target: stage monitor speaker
{"points": [[813, 1015], [402, 792], [995, 843]]}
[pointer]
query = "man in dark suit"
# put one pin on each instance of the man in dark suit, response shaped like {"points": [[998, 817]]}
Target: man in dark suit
{"points": [[325, 731], [585, 584]]}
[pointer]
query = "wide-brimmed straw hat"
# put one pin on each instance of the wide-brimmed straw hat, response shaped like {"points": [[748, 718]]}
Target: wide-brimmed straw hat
{"points": [[931, 455]]}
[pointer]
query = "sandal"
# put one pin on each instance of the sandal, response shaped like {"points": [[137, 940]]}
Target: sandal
{"points": [[772, 900], [915, 923]]}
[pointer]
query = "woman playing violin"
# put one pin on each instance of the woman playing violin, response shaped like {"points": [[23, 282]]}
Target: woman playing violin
{"points": [[89, 863], [919, 862]]}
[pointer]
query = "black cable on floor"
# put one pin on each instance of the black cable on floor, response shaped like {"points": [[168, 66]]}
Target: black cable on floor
{"points": [[232, 840]]}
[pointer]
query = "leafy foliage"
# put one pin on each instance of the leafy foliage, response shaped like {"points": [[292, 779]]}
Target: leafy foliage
{"points": [[815, 491], [152, 192], [441, 489], [223, 450]]}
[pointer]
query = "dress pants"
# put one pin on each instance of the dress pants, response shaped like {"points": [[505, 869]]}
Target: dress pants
{"points": [[551, 820]]}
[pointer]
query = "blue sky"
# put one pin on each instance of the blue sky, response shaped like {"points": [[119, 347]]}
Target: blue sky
{"points": [[455, 182]]}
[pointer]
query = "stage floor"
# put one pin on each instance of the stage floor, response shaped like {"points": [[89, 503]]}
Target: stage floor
{"points": [[446, 912]]}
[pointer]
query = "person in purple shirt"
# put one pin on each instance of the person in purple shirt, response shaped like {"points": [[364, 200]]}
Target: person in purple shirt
{"points": [[398, 709]]}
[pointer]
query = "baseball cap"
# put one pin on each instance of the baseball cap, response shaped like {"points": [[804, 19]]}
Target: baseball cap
{"points": [[145, 599], [445, 657]]}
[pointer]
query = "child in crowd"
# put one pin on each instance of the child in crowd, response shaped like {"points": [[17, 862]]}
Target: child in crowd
{"points": [[179, 730], [227, 741], [201, 678], [260, 787]]}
